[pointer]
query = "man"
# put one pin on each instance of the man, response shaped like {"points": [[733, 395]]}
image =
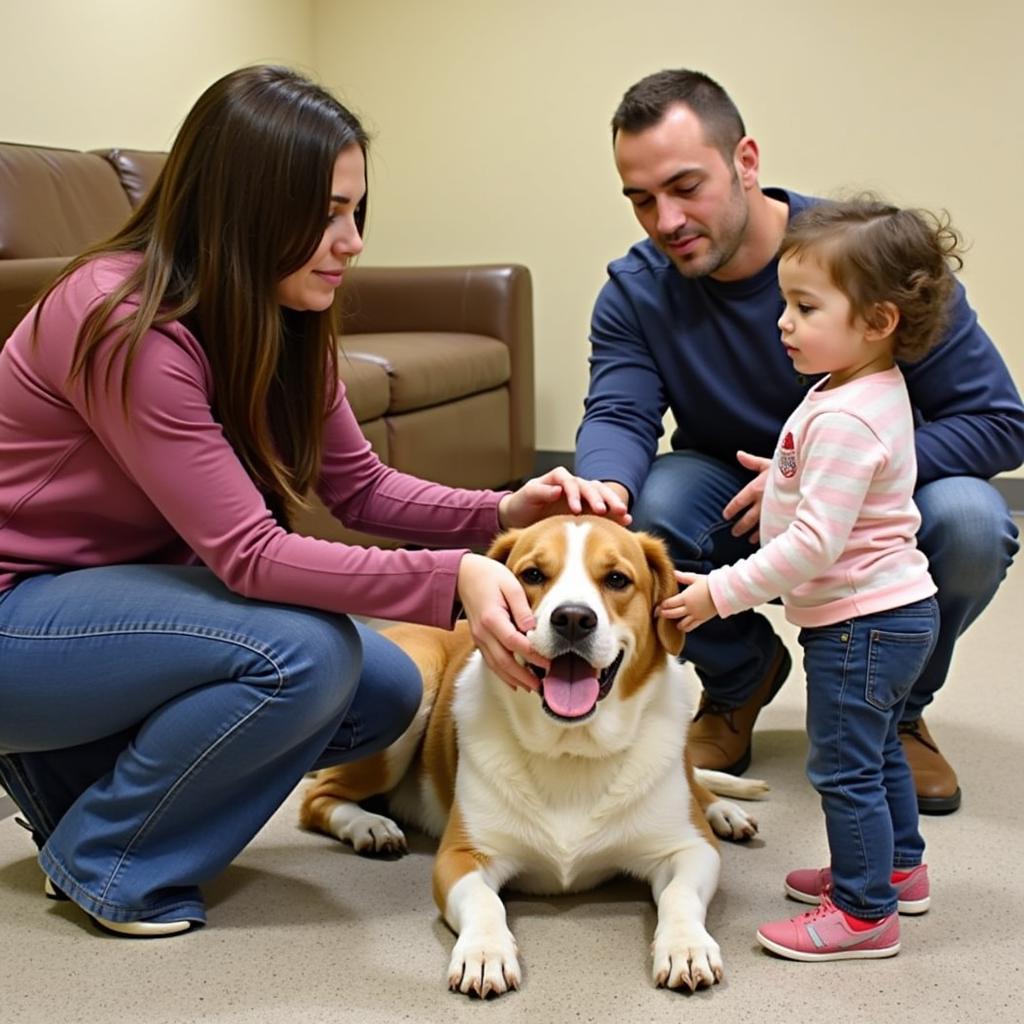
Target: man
{"points": [[688, 321]]}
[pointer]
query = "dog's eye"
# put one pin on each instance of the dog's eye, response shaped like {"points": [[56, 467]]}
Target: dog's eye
{"points": [[617, 580], [532, 577]]}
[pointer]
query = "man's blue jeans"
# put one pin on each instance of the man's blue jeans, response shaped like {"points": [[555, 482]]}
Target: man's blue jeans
{"points": [[859, 675], [151, 722], [966, 532]]}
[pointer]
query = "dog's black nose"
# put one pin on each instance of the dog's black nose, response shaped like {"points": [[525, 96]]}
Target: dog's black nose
{"points": [[573, 621]]}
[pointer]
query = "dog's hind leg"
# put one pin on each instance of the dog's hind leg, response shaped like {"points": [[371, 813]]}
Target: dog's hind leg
{"points": [[331, 805], [728, 820], [331, 802]]}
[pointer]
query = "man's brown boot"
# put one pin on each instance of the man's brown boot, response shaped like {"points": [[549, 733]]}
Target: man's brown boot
{"points": [[719, 736], [938, 791]]}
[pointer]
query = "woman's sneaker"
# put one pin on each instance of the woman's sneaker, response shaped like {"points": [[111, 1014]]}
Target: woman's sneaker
{"points": [[50, 891], [144, 929], [825, 934], [809, 885], [130, 929]]}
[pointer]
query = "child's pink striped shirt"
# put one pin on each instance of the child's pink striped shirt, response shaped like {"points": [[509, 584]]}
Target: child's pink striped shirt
{"points": [[838, 520]]}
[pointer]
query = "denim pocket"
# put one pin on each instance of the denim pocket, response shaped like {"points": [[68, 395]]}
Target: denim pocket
{"points": [[895, 660]]}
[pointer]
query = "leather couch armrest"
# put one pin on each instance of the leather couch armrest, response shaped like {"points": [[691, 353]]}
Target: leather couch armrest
{"points": [[495, 300], [137, 170], [21, 283]]}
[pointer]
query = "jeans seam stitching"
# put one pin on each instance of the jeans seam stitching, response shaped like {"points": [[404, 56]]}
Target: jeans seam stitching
{"points": [[848, 653], [197, 631], [37, 807]]}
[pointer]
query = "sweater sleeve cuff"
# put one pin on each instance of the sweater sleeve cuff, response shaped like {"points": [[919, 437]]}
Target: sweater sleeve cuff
{"points": [[717, 589], [448, 607]]}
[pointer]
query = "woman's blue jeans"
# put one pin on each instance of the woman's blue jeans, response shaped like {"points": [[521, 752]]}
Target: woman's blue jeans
{"points": [[151, 722], [966, 532], [859, 675]]}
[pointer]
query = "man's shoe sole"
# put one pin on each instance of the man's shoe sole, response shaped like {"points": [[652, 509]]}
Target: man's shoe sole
{"points": [[939, 804]]}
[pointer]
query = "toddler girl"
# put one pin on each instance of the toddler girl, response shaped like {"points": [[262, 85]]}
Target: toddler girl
{"points": [[864, 285]]}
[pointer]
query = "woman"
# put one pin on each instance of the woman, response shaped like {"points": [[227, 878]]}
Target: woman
{"points": [[172, 657]]}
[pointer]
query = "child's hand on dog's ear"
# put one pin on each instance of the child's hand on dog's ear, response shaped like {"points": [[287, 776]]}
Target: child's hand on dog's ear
{"points": [[692, 606]]}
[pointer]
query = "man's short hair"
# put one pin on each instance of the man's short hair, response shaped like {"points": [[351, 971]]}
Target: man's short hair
{"points": [[647, 102]]}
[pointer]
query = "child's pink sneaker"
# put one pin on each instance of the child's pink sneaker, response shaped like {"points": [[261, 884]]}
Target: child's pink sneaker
{"points": [[809, 884], [823, 934]]}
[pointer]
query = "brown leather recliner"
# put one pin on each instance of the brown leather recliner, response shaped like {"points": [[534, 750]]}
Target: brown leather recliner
{"points": [[437, 361]]}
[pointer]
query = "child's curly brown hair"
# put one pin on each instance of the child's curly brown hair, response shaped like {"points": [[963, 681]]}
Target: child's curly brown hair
{"points": [[877, 253]]}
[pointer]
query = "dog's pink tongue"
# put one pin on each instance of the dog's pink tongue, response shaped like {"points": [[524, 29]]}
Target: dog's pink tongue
{"points": [[570, 687]]}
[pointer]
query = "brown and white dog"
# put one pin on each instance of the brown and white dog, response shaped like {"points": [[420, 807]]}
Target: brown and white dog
{"points": [[555, 791]]}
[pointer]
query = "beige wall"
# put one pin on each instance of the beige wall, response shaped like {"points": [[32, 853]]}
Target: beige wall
{"points": [[491, 118], [492, 140], [94, 73]]}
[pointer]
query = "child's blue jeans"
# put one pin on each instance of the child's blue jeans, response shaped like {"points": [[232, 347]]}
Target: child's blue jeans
{"points": [[151, 722], [859, 673]]}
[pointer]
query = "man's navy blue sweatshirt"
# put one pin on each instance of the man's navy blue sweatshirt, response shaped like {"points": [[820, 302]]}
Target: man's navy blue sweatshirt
{"points": [[710, 352]]}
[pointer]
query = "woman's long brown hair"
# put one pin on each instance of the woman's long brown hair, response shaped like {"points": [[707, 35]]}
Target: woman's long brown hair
{"points": [[241, 202]]}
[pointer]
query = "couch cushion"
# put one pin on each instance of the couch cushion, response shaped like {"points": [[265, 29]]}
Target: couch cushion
{"points": [[461, 444], [366, 385], [66, 201], [137, 169], [427, 368]]}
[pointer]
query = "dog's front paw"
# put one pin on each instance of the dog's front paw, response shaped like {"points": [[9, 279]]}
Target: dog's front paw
{"points": [[730, 821], [484, 963], [368, 833], [689, 960]]}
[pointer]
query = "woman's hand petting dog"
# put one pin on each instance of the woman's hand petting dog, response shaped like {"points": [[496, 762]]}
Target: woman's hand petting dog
{"points": [[499, 615], [558, 492]]}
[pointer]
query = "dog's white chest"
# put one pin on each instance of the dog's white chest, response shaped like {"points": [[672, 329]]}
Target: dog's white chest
{"points": [[548, 854], [574, 856], [568, 826], [556, 806]]}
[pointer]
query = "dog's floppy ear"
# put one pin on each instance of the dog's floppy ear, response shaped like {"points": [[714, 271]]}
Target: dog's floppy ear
{"points": [[502, 545], [663, 585]]}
